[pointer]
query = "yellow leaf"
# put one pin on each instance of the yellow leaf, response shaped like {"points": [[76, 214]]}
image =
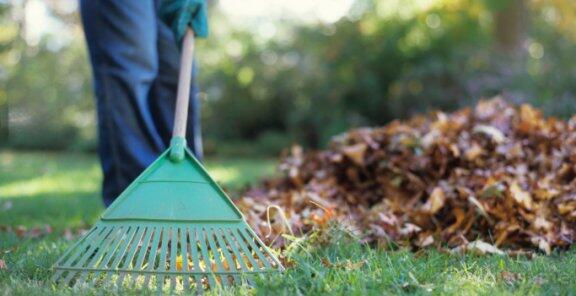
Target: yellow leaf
{"points": [[473, 152], [435, 201], [520, 196], [425, 241], [482, 248], [179, 263], [354, 265], [542, 244], [541, 223], [493, 133], [356, 153]]}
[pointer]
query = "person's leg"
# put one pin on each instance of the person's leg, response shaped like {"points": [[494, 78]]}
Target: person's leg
{"points": [[122, 42], [163, 93]]}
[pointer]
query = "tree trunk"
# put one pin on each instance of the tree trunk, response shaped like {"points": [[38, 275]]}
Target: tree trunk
{"points": [[511, 24], [3, 121]]}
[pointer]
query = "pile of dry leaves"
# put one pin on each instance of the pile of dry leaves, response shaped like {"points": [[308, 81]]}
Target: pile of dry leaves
{"points": [[495, 176]]}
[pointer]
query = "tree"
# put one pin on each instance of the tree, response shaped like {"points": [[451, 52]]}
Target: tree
{"points": [[511, 26]]}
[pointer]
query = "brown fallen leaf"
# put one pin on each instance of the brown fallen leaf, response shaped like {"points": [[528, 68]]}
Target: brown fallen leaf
{"points": [[286, 261], [356, 153], [3, 264], [542, 244], [481, 248], [494, 172], [425, 240], [522, 197], [495, 134], [326, 262], [530, 118], [473, 152], [510, 277], [435, 202], [34, 233], [542, 223], [21, 231]]}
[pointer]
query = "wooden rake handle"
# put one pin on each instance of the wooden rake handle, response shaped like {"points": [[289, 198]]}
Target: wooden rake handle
{"points": [[184, 81], [178, 142]]}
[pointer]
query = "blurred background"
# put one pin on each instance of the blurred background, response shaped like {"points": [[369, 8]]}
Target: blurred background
{"points": [[278, 72]]}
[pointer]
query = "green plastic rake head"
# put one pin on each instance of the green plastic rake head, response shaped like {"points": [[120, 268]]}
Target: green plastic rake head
{"points": [[172, 228]]}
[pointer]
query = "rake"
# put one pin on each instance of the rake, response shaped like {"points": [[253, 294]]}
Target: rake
{"points": [[172, 229]]}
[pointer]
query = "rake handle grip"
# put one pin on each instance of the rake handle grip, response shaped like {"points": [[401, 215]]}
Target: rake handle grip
{"points": [[184, 81]]}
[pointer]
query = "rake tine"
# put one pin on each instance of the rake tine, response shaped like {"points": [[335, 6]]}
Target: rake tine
{"points": [[131, 254], [142, 253], [70, 276], [152, 256], [195, 257], [173, 256], [217, 259], [242, 244], [88, 245], [94, 251], [103, 253], [256, 249], [207, 263], [121, 252], [162, 262], [224, 250], [265, 248], [234, 246], [109, 254], [184, 256], [78, 247]]}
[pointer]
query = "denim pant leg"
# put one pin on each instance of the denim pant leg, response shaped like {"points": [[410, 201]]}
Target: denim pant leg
{"points": [[121, 37], [135, 64]]}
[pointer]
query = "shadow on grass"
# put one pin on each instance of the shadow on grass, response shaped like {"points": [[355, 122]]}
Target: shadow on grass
{"points": [[60, 211]]}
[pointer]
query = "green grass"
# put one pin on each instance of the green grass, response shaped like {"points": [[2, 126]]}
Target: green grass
{"points": [[62, 191]]}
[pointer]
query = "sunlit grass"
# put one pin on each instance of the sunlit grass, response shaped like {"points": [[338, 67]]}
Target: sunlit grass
{"points": [[68, 182], [32, 174], [25, 175]]}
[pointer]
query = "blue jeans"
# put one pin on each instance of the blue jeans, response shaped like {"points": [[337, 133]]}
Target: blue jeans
{"points": [[135, 63]]}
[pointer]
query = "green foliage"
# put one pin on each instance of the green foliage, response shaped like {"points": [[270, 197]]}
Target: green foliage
{"points": [[267, 144], [46, 86], [379, 64], [308, 82]]}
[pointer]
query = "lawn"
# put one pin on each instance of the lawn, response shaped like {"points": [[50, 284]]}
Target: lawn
{"points": [[45, 199]]}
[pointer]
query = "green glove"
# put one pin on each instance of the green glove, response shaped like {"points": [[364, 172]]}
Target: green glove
{"points": [[180, 14]]}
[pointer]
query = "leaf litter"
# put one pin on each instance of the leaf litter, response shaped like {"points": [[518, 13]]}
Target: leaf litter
{"points": [[484, 179]]}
